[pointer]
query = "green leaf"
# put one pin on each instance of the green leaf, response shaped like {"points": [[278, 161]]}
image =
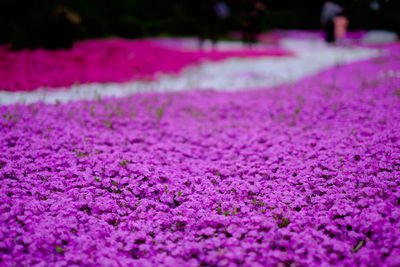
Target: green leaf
{"points": [[359, 246], [179, 193], [285, 222], [59, 249], [397, 92], [123, 163], [96, 179], [160, 112]]}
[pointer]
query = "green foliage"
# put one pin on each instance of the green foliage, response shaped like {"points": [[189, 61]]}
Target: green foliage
{"points": [[359, 246], [160, 113], [59, 249], [285, 222], [397, 92]]}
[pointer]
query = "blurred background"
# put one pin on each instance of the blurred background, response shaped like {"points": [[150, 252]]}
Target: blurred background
{"points": [[31, 23]]}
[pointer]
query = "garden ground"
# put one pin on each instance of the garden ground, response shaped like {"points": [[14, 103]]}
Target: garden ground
{"points": [[298, 171]]}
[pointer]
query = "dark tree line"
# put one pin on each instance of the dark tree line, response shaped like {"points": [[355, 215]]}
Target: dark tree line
{"points": [[31, 23]]}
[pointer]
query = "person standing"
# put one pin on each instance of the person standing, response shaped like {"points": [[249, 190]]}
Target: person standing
{"points": [[207, 22], [329, 11], [62, 25], [252, 21], [341, 24], [222, 12]]}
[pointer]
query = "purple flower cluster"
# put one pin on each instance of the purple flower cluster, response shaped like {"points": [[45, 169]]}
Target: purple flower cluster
{"points": [[114, 60], [306, 174]]}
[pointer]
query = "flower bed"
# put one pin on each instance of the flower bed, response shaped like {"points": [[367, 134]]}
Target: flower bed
{"points": [[305, 174], [114, 60]]}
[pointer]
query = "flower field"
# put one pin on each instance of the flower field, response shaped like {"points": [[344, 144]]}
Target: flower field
{"points": [[115, 60], [299, 174]]}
